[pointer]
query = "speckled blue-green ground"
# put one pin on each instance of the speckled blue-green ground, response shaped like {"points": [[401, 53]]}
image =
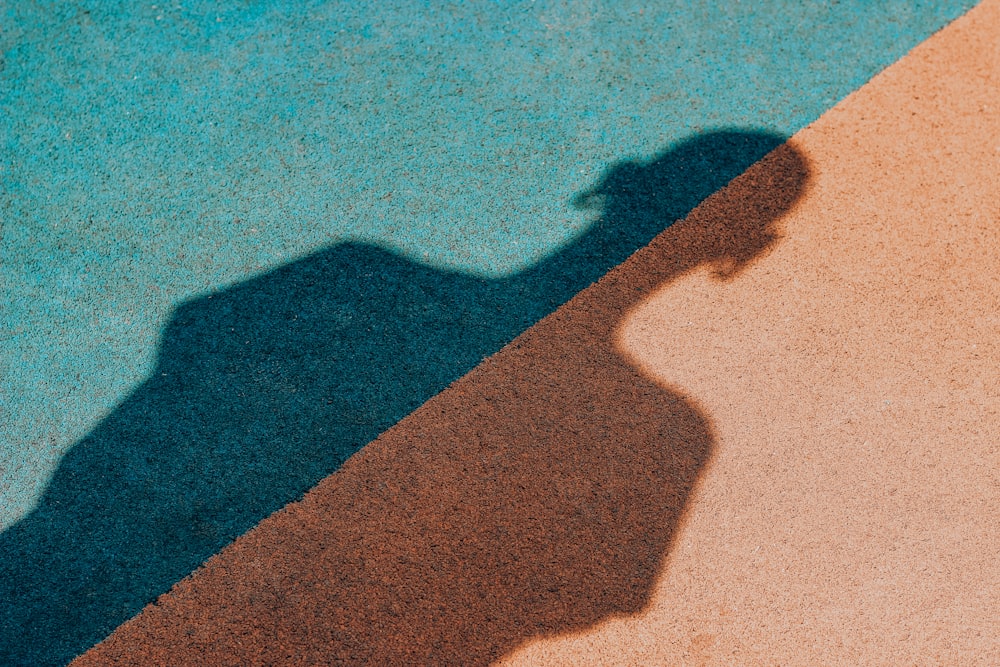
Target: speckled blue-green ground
{"points": [[337, 166]]}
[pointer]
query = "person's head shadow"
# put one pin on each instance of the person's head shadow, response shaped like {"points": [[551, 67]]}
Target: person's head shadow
{"points": [[645, 194], [263, 389]]}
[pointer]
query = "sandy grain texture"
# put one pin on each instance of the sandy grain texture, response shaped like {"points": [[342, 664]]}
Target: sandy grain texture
{"points": [[769, 438]]}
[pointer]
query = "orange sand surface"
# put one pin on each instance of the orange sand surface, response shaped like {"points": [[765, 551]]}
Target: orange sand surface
{"points": [[770, 437], [851, 512]]}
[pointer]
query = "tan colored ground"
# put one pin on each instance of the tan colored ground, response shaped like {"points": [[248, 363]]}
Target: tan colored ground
{"points": [[851, 513], [771, 437]]}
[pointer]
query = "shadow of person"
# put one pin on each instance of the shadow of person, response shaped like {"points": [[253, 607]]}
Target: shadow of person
{"points": [[539, 500]]}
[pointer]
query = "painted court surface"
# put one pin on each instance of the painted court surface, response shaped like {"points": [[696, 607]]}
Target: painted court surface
{"points": [[768, 437]]}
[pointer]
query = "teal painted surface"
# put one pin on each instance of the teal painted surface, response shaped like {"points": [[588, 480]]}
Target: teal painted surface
{"points": [[154, 154]]}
